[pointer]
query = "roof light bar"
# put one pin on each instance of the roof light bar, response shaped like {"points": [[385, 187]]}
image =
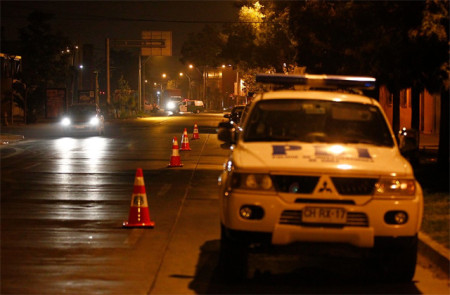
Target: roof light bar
{"points": [[327, 81]]}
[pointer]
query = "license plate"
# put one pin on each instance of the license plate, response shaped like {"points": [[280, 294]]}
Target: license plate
{"points": [[324, 215]]}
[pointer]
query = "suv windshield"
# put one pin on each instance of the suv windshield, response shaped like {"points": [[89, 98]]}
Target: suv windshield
{"points": [[317, 121]]}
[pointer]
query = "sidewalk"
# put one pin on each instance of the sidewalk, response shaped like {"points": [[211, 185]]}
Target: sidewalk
{"points": [[428, 141], [6, 138]]}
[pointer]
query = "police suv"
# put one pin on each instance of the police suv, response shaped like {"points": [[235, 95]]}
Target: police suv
{"points": [[319, 165]]}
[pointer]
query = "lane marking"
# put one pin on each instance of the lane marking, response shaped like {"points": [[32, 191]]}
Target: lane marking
{"points": [[165, 188], [133, 237], [177, 218]]}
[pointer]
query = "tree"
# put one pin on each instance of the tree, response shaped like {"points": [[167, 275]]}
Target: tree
{"points": [[262, 31], [124, 63], [432, 46], [204, 48], [250, 44], [402, 43], [124, 100], [44, 65]]}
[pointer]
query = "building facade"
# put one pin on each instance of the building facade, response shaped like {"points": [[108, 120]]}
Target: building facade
{"points": [[429, 109]]}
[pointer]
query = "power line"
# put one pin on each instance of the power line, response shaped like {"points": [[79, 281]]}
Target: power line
{"points": [[123, 19]]}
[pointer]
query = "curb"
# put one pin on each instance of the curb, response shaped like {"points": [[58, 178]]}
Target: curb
{"points": [[435, 252], [10, 138]]}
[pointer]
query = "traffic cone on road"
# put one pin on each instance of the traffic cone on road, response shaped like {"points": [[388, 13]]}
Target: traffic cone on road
{"points": [[195, 134], [175, 159], [139, 215], [185, 141]]}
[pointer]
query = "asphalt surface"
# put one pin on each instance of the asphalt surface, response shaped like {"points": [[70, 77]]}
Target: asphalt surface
{"points": [[434, 252]]}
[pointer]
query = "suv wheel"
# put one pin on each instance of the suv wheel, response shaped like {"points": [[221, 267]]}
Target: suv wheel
{"points": [[233, 257], [397, 263]]}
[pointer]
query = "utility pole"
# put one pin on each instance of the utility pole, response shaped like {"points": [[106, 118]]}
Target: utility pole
{"points": [[140, 84], [108, 84]]}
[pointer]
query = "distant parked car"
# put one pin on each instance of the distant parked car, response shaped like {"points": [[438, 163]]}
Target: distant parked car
{"points": [[236, 114], [192, 106], [85, 118]]}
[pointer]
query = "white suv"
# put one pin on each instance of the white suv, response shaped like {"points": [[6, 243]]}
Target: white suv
{"points": [[318, 166]]}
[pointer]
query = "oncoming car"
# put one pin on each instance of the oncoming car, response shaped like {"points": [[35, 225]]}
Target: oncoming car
{"points": [[86, 118], [322, 167], [173, 106]]}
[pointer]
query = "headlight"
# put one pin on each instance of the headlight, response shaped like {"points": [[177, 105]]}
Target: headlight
{"points": [[393, 188], [252, 181], [94, 121], [170, 105], [65, 122]]}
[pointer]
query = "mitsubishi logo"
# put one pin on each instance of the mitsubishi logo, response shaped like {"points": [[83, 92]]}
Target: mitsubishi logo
{"points": [[325, 188]]}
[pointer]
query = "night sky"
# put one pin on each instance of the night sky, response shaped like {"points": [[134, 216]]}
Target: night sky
{"points": [[94, 21]]}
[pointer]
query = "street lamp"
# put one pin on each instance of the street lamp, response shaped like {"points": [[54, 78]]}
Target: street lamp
{"points": [[203, 75], [158, 92], [95, 72], [189, 80]]}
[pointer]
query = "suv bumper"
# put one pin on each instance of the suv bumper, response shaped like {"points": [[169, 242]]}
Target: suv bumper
{"points": [[284, 233]]}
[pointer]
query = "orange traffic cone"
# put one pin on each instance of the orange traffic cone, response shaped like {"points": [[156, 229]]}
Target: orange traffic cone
{"points": [[195, 134], [175, 159], [185, 142], [139, 214]]}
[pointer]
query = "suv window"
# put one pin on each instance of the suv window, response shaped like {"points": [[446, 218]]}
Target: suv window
{"points": [[317, 121]]}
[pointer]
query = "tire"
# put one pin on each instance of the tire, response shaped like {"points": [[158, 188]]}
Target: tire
{"points": [[233, 259], [397, 262]]}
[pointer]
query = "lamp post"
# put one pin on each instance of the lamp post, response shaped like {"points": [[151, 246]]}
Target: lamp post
{"points": [[189, 80], [162, 96], [72, 52], [81, 67], [158, 93], [203, 75], [144, 90]]}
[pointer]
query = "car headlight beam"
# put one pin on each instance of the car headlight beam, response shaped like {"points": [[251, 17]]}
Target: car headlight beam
{"points": [[65, 121], [170, 105], [94, 121]]}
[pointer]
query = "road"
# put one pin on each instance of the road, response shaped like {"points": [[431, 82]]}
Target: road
{"points": [[64, 199]]}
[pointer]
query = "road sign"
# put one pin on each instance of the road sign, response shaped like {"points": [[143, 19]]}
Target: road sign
{"points": [[156, 43]]}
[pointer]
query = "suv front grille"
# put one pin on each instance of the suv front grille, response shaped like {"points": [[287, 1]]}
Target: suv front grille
{"points": [[295, 184], [294, 217], [349, 186], [354, 186]]}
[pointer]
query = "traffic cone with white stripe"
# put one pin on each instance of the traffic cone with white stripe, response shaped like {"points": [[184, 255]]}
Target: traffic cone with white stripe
{"points": [[195, 134], [185, 141], [139, 215], [175, 159]]}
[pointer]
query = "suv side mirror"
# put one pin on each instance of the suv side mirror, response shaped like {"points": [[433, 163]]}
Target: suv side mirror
{"points": [[408, 142], [226, 133]]}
